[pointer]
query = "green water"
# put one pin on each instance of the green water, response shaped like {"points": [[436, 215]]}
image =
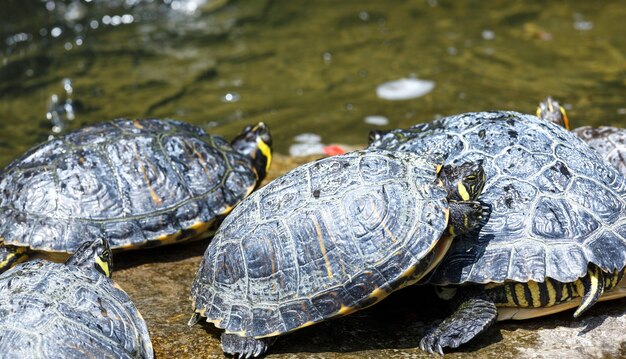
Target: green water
{"points": [[301, 67]]}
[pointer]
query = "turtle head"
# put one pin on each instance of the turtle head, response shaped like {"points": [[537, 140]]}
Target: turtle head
{"points": [[464, 182], [550, 110], [256, 143], [93, 255], [376, 135]]}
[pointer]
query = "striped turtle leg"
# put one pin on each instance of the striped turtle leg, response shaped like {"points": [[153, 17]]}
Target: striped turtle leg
{"points": [[12, 255], [245, 347], [475, 312]]}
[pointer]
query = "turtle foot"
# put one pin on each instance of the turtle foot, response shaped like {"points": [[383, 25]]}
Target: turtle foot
{"points": [[473, 316]]}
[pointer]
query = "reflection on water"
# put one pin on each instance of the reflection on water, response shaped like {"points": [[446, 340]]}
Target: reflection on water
{"points": [[301, 67]]}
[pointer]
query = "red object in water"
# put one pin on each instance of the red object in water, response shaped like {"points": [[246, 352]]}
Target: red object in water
{"points": [[333, 150]]}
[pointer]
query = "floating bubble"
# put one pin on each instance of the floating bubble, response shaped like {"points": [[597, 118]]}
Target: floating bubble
{"points": [[377, 120], [306, 149], [583, 25], [127, 19], [488, 35], [187, 6], [56, 32], [308, 138], [231, 97], [328, 57], [116, 20], [67, 86], [306, 144], [19, 37], [75, 11], [404, 89]]}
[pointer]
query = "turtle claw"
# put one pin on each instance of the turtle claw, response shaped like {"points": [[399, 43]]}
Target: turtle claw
{"points": [[430, 342], [195, 318], [244, 347]]}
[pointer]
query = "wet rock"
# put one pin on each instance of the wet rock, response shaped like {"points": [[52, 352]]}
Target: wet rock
{"points": [[159, 279]]}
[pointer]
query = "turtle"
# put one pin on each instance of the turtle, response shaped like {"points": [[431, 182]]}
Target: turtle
{"points": [[554, 237], [329, 238], [138, 183], [70, 310], [608, 141]]}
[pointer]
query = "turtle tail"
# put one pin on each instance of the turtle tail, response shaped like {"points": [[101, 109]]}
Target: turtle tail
{"points": [[12, 255], [590, 288]]}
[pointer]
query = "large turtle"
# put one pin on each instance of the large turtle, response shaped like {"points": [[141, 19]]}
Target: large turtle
{"points": [[69, 310], [135, 182], [608, 141], [327, 239], [555, 237]]}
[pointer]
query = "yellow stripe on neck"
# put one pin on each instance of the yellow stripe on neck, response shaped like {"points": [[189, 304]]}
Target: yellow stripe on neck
{"points": [[463, 191], [104, 265], [266, 151]]}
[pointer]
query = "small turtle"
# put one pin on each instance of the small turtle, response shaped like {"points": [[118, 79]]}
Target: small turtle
{"points": [[137, 183], [70, 310], [555, 236], [329, 238], [608, 141]]}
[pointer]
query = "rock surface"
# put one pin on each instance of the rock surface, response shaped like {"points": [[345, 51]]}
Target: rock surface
{"points": [[158, 280]]}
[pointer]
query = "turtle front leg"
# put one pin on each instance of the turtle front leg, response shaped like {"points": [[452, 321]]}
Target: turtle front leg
{"points": [[12, 255], [474, 313], [245, 347], [464, 216]]}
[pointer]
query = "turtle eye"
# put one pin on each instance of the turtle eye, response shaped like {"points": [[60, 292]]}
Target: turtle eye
{"points": [[105, 255]]}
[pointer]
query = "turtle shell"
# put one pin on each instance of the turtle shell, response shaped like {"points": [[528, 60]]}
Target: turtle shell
{"points": [[609, 142], [52, 310], [134, 182], [555, 205], [326, 239]]}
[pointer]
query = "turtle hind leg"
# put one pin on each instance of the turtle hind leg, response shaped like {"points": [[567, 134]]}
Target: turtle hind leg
{"points": [[245, 347], [590, 288], [12, 255], [473, 315]]}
